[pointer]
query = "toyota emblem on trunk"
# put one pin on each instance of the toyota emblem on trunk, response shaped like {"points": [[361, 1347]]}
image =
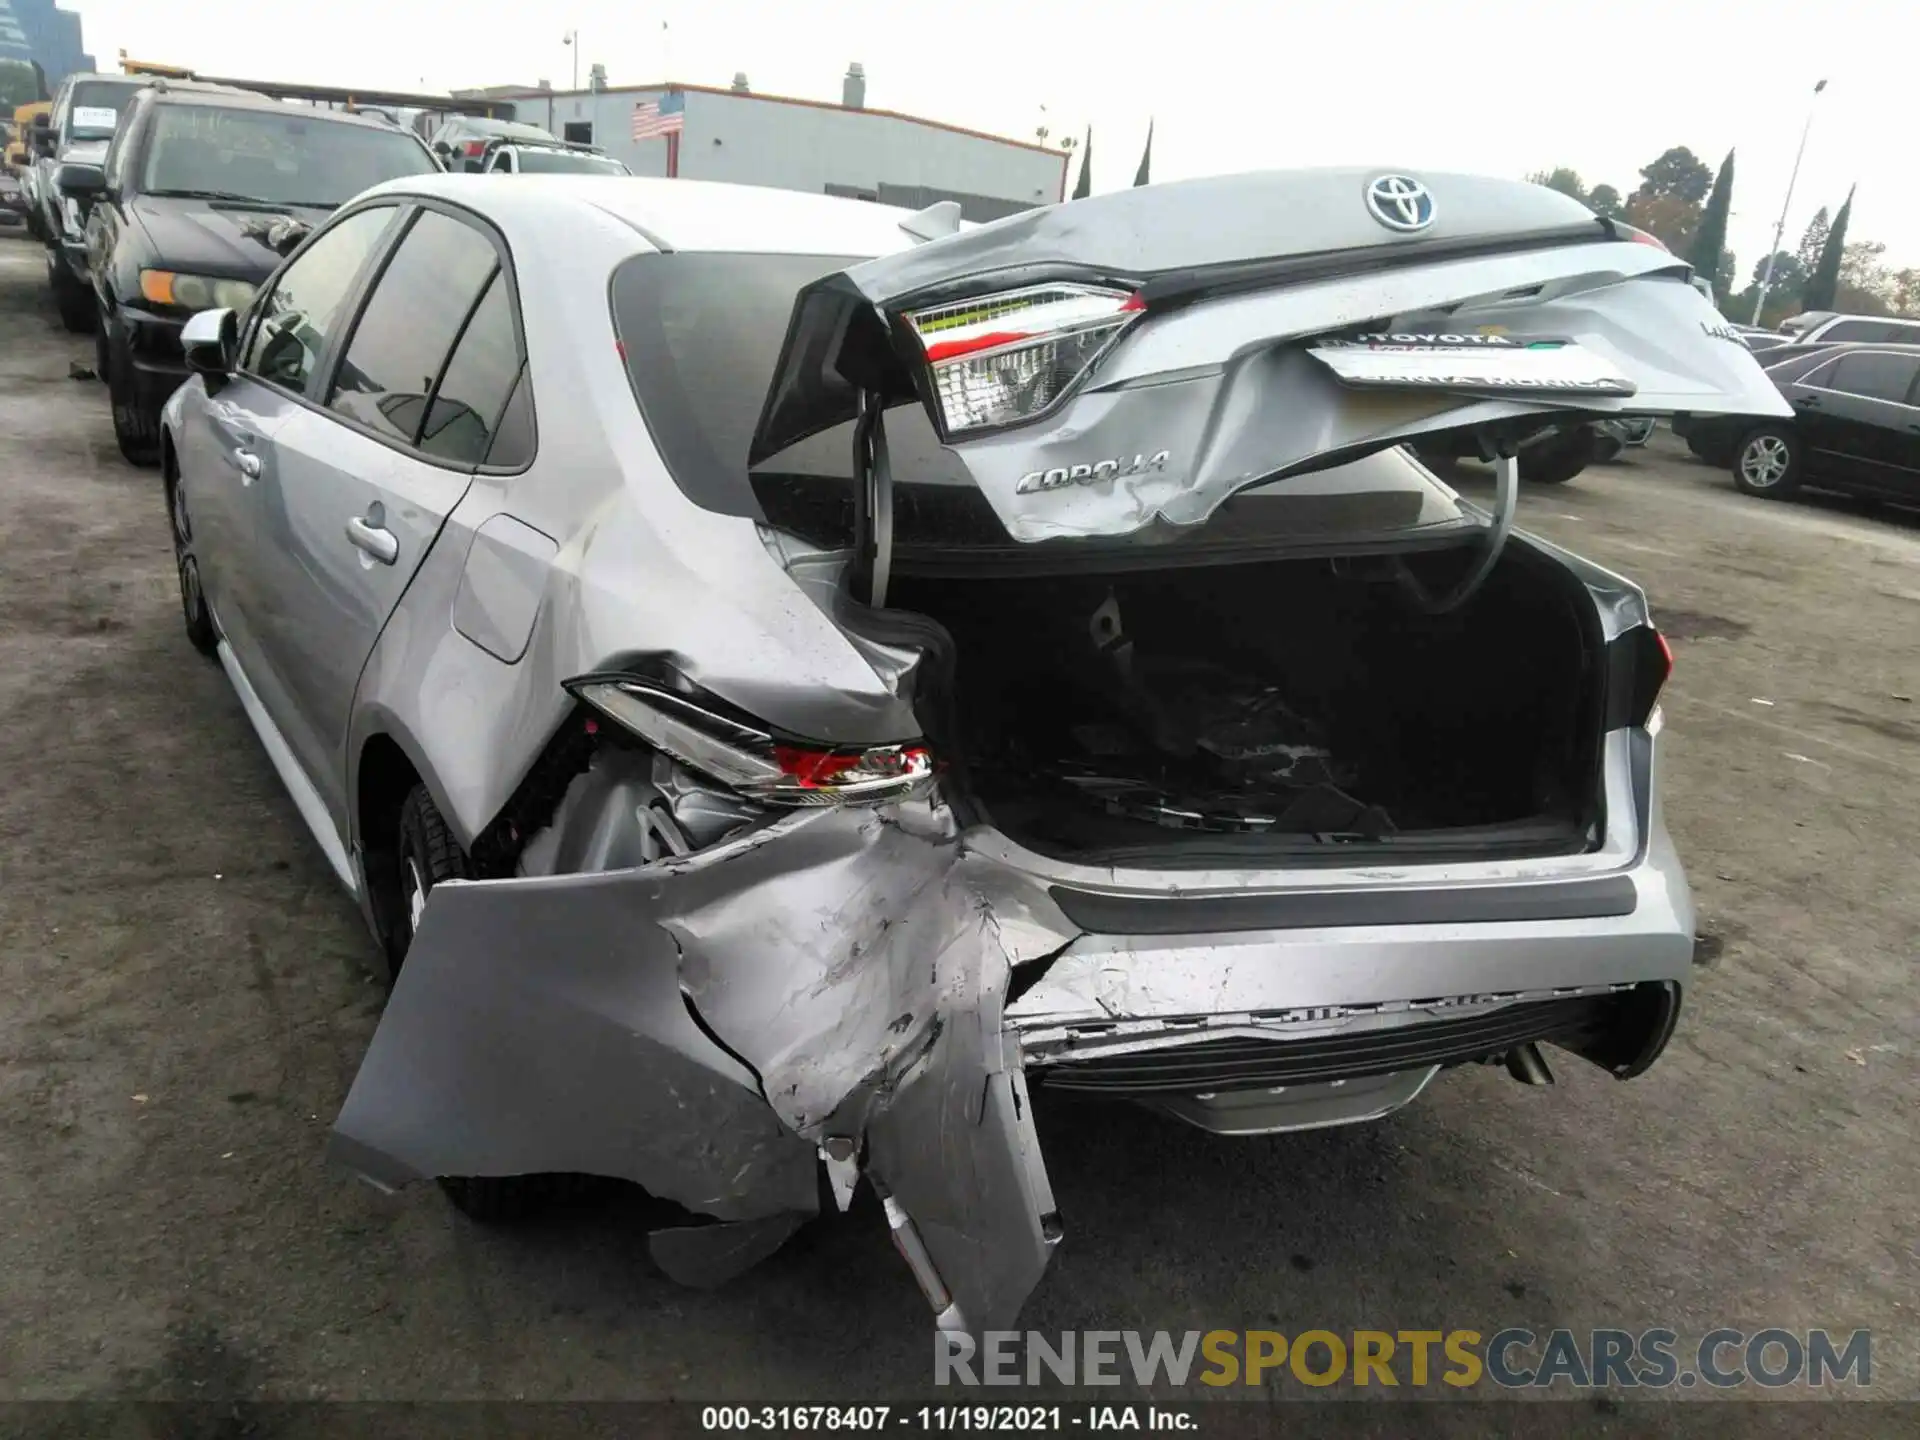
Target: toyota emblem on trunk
{"points": [[1400, 202]]}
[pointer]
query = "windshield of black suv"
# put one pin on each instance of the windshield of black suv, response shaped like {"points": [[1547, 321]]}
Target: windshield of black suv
{"points": [[95, 111], [702, 333], [567, 162], [293, 158]]}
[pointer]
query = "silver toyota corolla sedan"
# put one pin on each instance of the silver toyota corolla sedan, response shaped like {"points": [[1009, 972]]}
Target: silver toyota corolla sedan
{"points": [[784, 676]]}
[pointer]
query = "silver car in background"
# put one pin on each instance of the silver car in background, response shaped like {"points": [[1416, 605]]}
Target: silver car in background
{"points": [[784, 676]]}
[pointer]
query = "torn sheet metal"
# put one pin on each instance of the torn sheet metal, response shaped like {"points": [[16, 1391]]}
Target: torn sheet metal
{"points": [[537, 1027], [706, 1025]]}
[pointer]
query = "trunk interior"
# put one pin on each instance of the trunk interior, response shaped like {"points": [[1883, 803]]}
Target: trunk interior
{"points": [[1296, 709]]}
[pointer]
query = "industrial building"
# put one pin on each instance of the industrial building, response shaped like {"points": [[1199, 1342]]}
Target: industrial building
{"points": [[38, 31], [746, 138]]}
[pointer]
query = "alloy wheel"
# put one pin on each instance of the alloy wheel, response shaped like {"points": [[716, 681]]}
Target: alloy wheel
{"points": [[191, 600], [1764, 463]]}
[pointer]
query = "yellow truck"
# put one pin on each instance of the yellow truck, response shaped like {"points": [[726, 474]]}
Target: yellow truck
{"points": [[16, 181]]}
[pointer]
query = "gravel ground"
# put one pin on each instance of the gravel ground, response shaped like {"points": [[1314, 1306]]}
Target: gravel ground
{"points": [[187, 999]]}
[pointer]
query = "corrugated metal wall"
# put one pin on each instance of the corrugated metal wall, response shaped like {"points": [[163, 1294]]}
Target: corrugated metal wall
{"points": [[753, 140]]}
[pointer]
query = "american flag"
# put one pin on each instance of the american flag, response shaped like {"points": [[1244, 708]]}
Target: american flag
{"points": [[665, 116]]}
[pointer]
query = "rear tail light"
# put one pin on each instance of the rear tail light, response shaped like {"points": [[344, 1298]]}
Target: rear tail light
{"points": [[1638, 664], [775, 770], [1007, 358]]}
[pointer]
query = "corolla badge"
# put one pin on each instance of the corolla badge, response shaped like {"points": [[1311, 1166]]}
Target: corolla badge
{"points": [[1400, 203], [1061, 476]]}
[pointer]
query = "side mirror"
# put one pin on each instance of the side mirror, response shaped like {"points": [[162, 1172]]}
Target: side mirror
{"points": [[443, 149], [80, 180], [208, 341]]}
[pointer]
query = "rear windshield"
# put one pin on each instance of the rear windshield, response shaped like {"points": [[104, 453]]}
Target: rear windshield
{"points": [[95, 111], [567, 162], [702, 333], [286, 159]]}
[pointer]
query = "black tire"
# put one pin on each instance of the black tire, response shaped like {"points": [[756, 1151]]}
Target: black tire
{"points": [[1607, 448], [136, 430], [193, 601], [428, 854], [1556, 460], [74, 301], [1766, 462], [1716, 453]]}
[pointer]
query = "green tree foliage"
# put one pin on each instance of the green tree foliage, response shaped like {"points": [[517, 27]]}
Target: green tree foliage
{"points": [[18, 86], [1814, 241], [1678, 174], [1822, 288], [1566, 181], [1710, 237], [1605, 200]]}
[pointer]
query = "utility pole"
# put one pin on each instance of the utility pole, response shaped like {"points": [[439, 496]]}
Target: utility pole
{"points": [[1766, 278]]}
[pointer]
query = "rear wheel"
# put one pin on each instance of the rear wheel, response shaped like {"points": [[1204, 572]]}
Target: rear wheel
{"points": [[137, 431], [73, 300], [428, 854], [193, 602], [1557, 459], [1767, 463]]}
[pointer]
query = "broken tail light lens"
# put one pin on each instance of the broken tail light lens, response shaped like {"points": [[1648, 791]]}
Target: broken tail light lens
{"points": [[1638, 664], [1006, 358], [775, 770]]}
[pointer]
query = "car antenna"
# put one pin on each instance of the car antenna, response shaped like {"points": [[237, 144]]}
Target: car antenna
{"points": [[938, 219]]}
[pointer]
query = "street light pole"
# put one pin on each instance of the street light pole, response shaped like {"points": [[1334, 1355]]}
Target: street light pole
{"points": [[1766, 278], [572, 41]]}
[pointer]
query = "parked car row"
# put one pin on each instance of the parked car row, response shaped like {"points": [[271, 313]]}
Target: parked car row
{"points": [[1854, 426], [162, 197]]}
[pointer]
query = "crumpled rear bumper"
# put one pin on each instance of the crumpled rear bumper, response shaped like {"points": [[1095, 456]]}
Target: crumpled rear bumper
{"points": [[870, 985]]}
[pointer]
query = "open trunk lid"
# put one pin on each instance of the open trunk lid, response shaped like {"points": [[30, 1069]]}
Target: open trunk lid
{"points": [[1110, 364]]}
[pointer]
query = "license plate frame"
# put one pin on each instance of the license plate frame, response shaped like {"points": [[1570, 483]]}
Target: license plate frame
{"points": [[1544, 365]]}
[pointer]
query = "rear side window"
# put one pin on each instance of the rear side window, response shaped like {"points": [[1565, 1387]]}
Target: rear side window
{"points": [[1877, 376], [466, 407], [418, 308], [304, 306]]}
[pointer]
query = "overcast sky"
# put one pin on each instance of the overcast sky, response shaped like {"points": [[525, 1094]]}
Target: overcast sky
{"points": [[1496, 86]]}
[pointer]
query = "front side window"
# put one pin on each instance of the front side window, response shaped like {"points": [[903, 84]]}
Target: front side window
{"points": [[1875, 375], [418, 308], [278, 156], [304, 306], [1854, 330]]}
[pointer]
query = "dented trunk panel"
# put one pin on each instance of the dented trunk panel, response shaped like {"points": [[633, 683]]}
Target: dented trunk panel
{"points": [[1217, 390]]}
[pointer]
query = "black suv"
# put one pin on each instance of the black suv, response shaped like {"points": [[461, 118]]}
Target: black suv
{"points": [[1855, 426], [201, 194]]}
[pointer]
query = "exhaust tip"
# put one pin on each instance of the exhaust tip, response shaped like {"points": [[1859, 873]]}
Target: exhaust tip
{"points": [[1528, 1066]]}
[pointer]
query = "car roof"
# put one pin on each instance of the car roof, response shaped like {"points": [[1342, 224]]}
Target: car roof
{"points": [[224, 97], [695, 215]]}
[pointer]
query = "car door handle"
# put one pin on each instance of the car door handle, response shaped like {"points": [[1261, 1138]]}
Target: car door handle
{"points": [[1808, 402], [372, 537], [248, 464]]}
